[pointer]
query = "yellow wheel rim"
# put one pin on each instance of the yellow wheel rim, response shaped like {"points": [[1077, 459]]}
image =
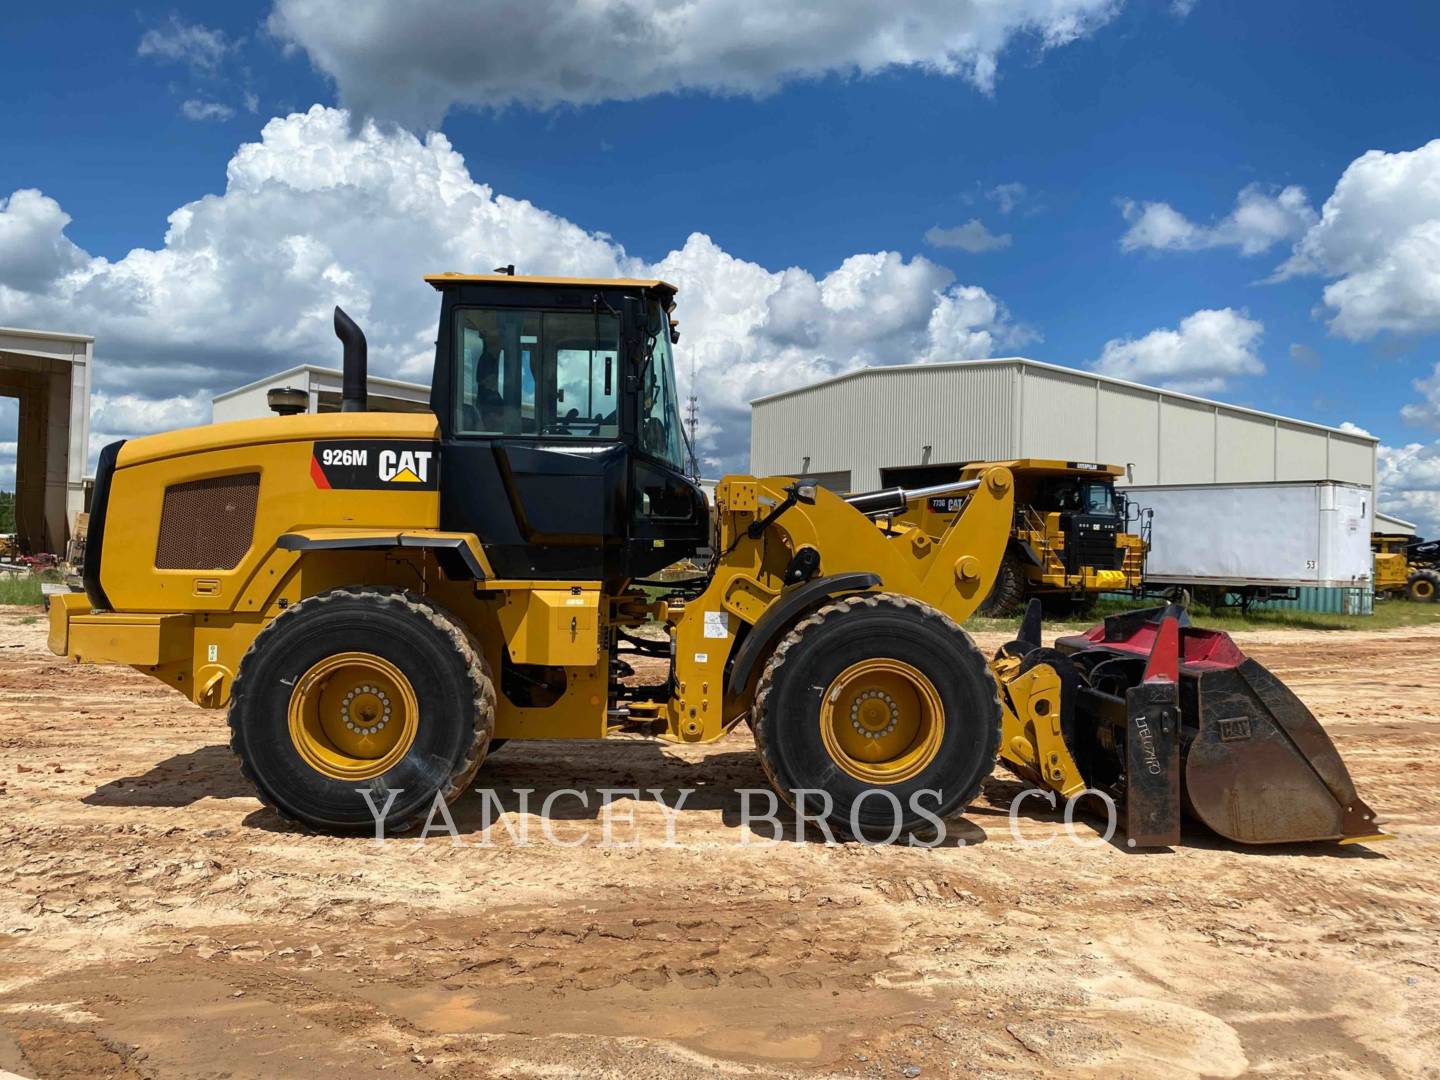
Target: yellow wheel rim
{"points": [[353, 716], [882, 721], [1423, 589]]}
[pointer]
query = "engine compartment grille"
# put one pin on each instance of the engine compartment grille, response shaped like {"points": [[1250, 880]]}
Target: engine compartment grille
{"points": [[207, 524]]}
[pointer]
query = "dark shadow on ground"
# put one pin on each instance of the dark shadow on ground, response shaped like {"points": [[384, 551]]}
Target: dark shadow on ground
{"points": [[576, 776], [211, 772]]}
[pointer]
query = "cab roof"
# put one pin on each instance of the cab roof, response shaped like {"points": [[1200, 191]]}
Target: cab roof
{"points": [[444, 281], [1052, 467]]}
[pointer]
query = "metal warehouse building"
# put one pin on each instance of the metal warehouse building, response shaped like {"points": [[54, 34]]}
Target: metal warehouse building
{"points": [[321, 386], [49, 372], [846, 430]]}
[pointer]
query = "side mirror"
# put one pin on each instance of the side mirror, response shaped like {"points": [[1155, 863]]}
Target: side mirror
{"points": [[805, 492]]}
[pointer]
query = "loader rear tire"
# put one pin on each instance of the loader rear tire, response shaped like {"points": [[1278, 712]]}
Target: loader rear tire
{"points": [[1007, 595], [1423, 586], [877, 693], [361, 692]]}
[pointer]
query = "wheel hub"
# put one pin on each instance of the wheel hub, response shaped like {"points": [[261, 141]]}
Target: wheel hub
{"points": [[366, 710], [874, 714], [882, 721], [353, 716]]}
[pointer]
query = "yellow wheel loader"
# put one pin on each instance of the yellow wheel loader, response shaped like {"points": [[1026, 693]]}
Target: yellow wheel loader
{"points": [[1395, 572], [1069, 542], [379, 598]]}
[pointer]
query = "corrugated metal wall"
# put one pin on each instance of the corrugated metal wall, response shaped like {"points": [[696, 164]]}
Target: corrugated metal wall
{"points": [[884, 417], [1309, 598], [1058, 415], [1331, 601]]}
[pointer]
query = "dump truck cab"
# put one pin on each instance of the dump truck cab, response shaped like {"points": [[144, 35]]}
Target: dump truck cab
{"points": [[1088, 516], [1070, 540]]}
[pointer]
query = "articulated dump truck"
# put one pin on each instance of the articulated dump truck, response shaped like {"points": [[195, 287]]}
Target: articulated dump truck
{"points": [[380, 599]]}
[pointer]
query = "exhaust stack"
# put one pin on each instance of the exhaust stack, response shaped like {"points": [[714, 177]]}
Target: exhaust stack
{"points": [[354, 379]]}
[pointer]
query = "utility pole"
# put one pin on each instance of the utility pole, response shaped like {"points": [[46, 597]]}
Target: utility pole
{"points": [[692, 421]]}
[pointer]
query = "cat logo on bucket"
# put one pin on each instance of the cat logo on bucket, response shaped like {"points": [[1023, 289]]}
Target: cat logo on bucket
{"points": [[374, 464]]}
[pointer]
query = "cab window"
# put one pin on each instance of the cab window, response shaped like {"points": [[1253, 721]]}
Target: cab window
{"points": [[1099, 499], [552, 374], [660, 434]]}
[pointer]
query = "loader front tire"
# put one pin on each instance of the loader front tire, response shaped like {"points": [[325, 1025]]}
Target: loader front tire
{"points": [[872, 709], [1423, 586], [1007, 595], [361, 692]]}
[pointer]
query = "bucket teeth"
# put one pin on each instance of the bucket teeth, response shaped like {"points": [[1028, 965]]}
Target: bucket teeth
{"points": [[1029, 631]]}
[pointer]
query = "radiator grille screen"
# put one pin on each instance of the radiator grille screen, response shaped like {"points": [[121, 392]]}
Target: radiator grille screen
{"points": [[207, 524]]}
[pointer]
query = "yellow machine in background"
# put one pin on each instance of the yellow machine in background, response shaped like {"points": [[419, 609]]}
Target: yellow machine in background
{"points": [[380, 599], [1397, 575], [1068, 543]]}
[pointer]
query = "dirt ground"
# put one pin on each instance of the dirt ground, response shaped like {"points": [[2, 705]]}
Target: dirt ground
{"points": [[155, 920]]}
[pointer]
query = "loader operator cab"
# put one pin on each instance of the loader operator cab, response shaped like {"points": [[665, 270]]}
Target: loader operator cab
{"points": [[561, 445]]}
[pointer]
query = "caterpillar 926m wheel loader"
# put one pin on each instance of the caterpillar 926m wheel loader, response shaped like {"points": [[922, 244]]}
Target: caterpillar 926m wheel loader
{"points": [[379, 598]]}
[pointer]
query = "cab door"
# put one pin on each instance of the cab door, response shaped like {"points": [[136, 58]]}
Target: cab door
{"points": [[532, 462]]}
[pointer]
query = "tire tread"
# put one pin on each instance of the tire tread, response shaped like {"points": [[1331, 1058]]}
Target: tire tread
{"points": [[465, 646], [971, 657]]}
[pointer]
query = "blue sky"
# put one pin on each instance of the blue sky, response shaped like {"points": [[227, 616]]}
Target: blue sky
{"points": [[806, 137]]}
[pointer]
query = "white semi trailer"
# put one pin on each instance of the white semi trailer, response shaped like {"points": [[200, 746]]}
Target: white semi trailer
{"points": [[1236, 543]]}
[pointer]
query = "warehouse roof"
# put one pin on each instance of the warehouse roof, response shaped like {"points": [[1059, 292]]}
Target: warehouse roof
{"points": [[1390, 519], [1021, 361], [324, 372], [58, 335]]}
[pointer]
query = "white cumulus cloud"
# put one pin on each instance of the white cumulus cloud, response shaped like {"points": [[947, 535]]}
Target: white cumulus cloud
{"points": [[1378, 239], [34, 250], [1408, 476], [1426, 411], [314, 214], [1408, 482], [973, 237], [1202, 355], [1261, 219], [411, 62]]}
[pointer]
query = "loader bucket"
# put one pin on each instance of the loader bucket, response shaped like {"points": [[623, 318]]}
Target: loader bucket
{"points": [[1250, 761]]}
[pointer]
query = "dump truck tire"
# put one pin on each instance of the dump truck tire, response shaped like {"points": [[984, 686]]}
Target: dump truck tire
{"points": [[1007, 595], [361, 692], [877, 693], [1423, 586]]}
